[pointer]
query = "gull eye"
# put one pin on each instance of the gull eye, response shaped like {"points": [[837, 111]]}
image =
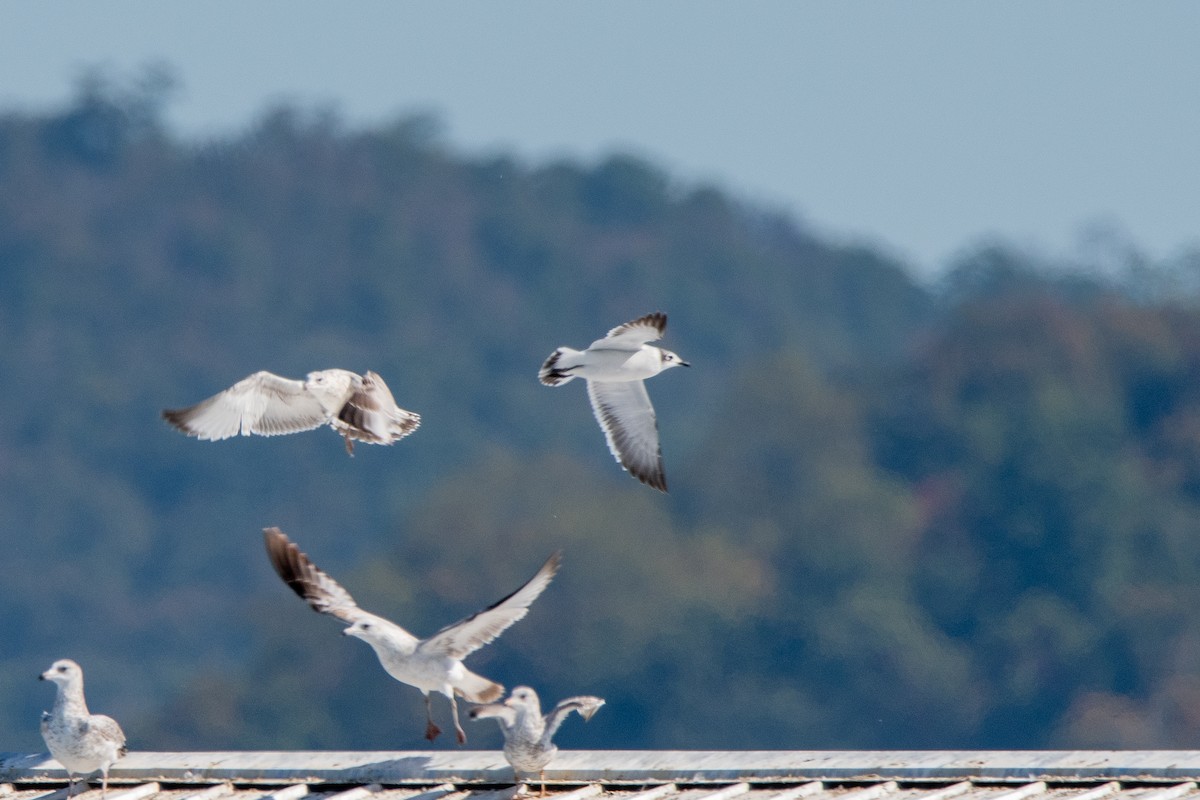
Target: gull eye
{"points": [[62, 668]]}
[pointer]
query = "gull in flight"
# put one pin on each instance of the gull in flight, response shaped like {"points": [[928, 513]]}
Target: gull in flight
{"points": [[528, 736], [82, 742], [615, 368], [431, 665], [359, 407]]}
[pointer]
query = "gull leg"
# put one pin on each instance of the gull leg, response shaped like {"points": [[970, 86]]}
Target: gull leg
{"points": [[431, 730], [542, 778], [104, 784], [459, 732], [349, 445]]}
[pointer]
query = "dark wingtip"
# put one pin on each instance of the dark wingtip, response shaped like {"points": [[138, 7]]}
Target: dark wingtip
{"points": [[286, 558], [656, 318], [655, 480]]}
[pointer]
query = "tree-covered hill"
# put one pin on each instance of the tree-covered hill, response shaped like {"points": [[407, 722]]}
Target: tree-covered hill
{"points": [[900, 515]]}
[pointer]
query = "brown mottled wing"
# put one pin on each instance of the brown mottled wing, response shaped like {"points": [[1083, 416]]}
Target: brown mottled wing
{"points": [[371, 414], [263, 403], [320, 591], [107, 728], [466, 636], [624, 411], [634, 334]]}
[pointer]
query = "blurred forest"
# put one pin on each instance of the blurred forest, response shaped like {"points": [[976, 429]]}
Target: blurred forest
{"points": [[904, 514]]}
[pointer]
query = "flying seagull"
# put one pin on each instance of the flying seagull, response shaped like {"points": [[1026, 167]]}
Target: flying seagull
{"points": [[360, 407], [528, 736], [431, 665], [80, 741], [615, 368]]}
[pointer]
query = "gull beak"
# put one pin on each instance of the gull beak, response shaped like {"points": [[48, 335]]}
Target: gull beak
{"points": [[684, 364], [42, 677]]}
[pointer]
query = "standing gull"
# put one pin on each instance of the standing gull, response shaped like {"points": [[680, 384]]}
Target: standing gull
{"points": [[528, 735], [80, 741], [615, 368], [431, 665], [357, 406]]}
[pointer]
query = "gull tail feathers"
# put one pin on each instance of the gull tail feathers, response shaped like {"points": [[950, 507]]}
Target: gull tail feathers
{"points": [[555, 372], [478, 689]]}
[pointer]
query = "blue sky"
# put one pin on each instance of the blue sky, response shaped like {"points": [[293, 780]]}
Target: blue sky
{"points": [[922, 126]]}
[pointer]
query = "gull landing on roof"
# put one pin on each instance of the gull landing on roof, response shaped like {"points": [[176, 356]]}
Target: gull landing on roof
{"points": [[359, 407], [431, 665], [615, 369], [528, 736]]}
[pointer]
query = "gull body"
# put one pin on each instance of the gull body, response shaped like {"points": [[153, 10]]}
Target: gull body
{"points": [[360, 407], [615, 369], [431, 665], [528, 736], [81, 741]]}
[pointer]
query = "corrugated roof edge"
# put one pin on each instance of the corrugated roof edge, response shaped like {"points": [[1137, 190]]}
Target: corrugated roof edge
{"points": [[640, 767]]}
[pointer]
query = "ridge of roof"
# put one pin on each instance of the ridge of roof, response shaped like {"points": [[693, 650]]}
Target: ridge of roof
{"points": [[629, 767]]}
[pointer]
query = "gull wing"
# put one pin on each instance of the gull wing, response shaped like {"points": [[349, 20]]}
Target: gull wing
{"points": [[586, 705], [632, 335], [263, 403], [506, 716], [371, 414], [624, 411], [466, 636], [107, 728], [320, 591]]}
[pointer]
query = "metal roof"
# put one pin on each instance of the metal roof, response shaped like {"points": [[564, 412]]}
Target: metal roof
{"points": [[628, 775]]}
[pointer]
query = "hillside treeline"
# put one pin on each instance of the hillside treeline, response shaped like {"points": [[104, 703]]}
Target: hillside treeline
{"points": [[961, 514]]}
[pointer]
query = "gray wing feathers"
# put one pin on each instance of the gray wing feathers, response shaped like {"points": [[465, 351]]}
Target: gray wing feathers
{"points": [[506, 716], [633, 335], [263, 403], [586, 705], [626, 415], [107, 728], [371, 414], [466, 636]]}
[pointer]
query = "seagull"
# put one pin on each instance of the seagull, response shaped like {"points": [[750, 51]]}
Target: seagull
{"points": [[615, 368], [357, 406], [527, 734], [80, 741], [431, 665]]}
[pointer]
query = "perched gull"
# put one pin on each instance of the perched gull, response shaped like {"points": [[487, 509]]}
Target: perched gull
{"points": [[431, 665], [615, 368], [528, 735], [357, 406], [81, 742]]}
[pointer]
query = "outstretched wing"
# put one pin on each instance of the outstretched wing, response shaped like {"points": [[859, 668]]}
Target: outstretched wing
{"points": [[624, 411], [586, 705], [506, 716], [263, 403], [466, 636], [633, 335], [320, 591]]}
